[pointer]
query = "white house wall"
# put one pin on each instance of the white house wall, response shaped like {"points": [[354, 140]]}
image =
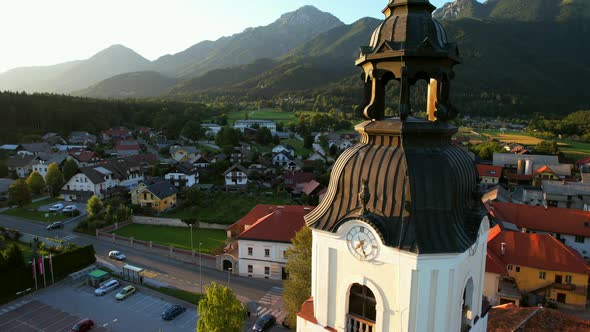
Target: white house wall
{"points": [[275, 261]]}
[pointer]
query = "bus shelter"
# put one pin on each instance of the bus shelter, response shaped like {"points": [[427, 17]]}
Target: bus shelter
{"points": [[132, 274]]}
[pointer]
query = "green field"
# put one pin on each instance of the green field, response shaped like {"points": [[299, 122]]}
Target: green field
{"points": [[571, 149], [298, 145], [180, 294], [30, 212], [179, 237], [224, 208], [262, 114]]}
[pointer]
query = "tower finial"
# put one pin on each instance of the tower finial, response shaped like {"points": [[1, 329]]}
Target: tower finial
{"points": [[364, 196]]}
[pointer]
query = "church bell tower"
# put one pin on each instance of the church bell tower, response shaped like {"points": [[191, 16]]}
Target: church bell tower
{"points": [[399, 240]]}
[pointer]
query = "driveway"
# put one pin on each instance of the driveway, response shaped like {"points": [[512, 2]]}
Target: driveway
{"points": [[81, 206]]}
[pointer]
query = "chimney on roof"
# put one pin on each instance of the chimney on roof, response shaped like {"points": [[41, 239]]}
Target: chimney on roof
{"points": [[523, 230], [503, 248]]}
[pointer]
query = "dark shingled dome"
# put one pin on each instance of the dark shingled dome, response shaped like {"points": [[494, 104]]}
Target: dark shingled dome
{"points": [[422, 188]]}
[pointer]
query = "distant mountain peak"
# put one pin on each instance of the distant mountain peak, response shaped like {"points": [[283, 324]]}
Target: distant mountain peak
{"points": [[308, 15], [457, 9]]}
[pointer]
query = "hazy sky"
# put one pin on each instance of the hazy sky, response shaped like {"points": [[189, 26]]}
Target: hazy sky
{"points": [[45, 32]]}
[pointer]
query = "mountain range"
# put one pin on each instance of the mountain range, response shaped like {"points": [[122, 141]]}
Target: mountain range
{"points": [[518, 55]]}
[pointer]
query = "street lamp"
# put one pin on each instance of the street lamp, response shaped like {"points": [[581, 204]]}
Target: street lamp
{"points": [[200, 269], [191, 228], [228, 274]]}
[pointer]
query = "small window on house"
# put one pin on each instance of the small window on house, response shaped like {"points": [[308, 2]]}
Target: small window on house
{"points": [[267, 270], [144, 195], [285, 254], [509, 267], [542, 275], [250, 250], [266, 252], [568, 279], [580, 239], [250, 268], [518, 269]]}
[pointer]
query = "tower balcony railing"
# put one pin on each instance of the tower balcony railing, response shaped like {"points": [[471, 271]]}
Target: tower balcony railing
{"points": [[568, 287], [357, 324]]}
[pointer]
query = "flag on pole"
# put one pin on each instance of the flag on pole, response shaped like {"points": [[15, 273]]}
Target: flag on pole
{"points": [[40, 260]]}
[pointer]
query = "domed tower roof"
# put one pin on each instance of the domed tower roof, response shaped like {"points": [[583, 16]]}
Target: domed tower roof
{"points": [[407, 46], [419, 191], [404, 177]]}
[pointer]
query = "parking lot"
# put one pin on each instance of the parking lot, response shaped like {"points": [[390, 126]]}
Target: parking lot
{"points": [[58, 308]]}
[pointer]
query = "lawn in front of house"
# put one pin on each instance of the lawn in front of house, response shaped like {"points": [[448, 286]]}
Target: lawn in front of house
{"points": [[298, 146], [179, 237], [31, 212], [225, 208]]}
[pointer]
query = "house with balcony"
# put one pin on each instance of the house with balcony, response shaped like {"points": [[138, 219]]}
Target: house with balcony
{"points": [[102, 180], [571, 227], [84, 157], [236, 178], [45, 160], [159, 196], [539, 265], [116, 134], [183, 153], [183, 175], [262, 238]]}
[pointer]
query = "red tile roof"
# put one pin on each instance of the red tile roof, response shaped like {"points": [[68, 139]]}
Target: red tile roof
{"points": [[310, 187], [554, 220], [545, 169], [489, 170], [292, 179], [514, 176], [83, 156], [583, 161], [494, 264], [277, 223], [307, 314], [508, 317], [540, 251]]}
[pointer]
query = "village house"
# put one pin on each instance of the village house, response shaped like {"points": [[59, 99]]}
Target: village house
{"points": [[571, 227], [34, 148], [126, 148], [22, 164], [84, 157], [199, 161], [116, 134], [236, 178], [101, 180], [159, 196], [281, 159], [509, 317], [262, 238], [45, 160], [183, 153], [540, 265], [183, 175], [570, 195], [489, 175], [211, 129], [81, 138], [241, 125], [583, 164], [285, 149]]}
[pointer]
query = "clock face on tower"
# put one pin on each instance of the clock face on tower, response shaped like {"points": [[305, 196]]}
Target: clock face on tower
{"points": [[362, 243]]}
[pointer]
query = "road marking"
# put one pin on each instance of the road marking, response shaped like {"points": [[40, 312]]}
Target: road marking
{"points": [[68, 237]]}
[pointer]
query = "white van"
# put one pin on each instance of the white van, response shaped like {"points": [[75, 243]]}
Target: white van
{"points": [[107, 287]]}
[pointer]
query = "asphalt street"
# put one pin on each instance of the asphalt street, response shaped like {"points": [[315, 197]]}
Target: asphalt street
{"points": [[177, 274]]}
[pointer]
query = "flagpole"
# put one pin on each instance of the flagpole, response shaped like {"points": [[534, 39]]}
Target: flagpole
{"points": [[51, 268], [35, 271], [43, 271]]}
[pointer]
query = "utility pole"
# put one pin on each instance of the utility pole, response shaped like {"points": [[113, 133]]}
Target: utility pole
{"points": [[191, 228]]}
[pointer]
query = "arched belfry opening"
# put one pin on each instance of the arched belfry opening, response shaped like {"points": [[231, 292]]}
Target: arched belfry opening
{"points": [[362, 311], [467, 306]]}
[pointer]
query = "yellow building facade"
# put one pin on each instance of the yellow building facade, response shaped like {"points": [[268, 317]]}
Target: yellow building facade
{"points": [[159, 196]]}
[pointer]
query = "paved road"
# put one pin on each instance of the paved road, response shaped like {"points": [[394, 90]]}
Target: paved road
{"points": [[178, 274]]}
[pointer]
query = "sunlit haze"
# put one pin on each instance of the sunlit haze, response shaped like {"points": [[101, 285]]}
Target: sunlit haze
{"points": [[41, 32]]}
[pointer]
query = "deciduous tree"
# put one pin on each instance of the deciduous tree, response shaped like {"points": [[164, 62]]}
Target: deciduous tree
{"points": [[94, 206], [35, 182], [70, 168], [54, 179], [297, 287], [220, 310], [19, 193]]}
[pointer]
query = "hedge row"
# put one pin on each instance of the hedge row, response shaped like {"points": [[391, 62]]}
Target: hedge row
{"points": [[14, 280]]}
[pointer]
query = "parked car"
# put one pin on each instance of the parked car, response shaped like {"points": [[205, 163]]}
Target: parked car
{"points": [[107, 287], [117, 255], [70, 208], [83, 325], [264, 322], [56, 207], [53, 225], [125, 293], [173, 311]]}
